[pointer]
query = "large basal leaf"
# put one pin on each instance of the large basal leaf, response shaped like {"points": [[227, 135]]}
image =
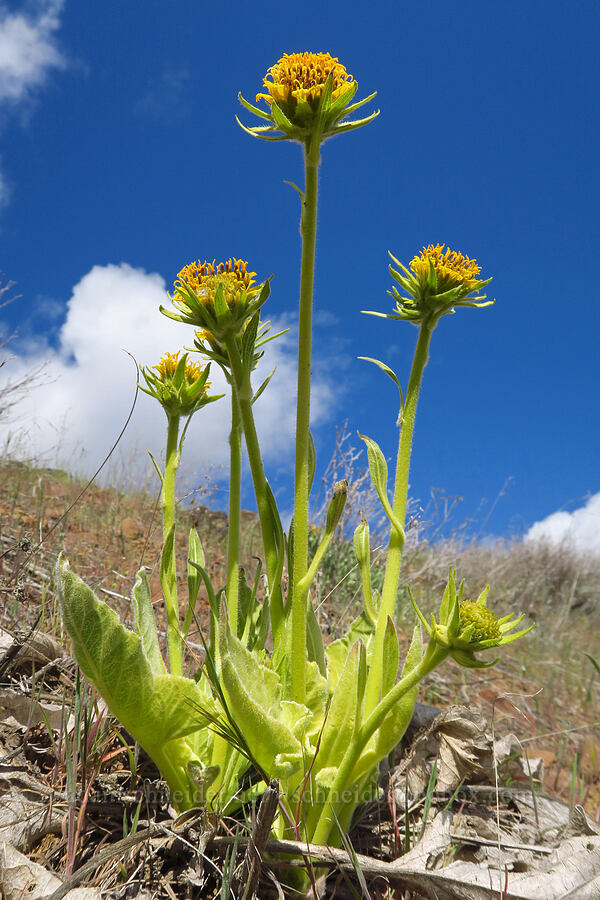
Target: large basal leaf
{"points": [[145, 623], [316, 698], [154, 708], [344, 715], [253, 695]]}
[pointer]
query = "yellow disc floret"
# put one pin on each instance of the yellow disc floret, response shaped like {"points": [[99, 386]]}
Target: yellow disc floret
{"points": [[168, 363], [485, 624], [301, 77], [451, 267], [204, 280]]}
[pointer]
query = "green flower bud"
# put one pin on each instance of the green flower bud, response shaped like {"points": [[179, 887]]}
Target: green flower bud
{"points": [[336, 506], [467, 627], [362, 549], [180, 386]]}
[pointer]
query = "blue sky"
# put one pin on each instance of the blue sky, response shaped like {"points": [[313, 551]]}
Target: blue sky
{"points": [[120, 161]]}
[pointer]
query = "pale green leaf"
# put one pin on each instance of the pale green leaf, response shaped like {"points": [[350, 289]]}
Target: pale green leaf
{"points": [[316, 697], [253, 696], [337, 651], [344, 715], [145, 623], [194, 577], [396, 722], [391, 658], [389, 372], [391, 730], [154, 709], [314, 639], [379, 474]]}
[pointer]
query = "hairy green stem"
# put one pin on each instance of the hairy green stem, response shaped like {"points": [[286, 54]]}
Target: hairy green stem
{"points": [[396, 542], [433, 656], [168, 568], [308, 229], [242, 386], [235, 488]]}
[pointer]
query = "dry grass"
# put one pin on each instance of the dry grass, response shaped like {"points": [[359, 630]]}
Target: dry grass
{"points": [[544, 689], [107, 534]]}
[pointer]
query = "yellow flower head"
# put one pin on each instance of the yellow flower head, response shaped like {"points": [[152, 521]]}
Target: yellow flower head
{"points": [[217, 298], [452, 268], [181, 387], [168, 363], [485, 625], [437, 281], [309, 98], [301, 77], [205, 278]]}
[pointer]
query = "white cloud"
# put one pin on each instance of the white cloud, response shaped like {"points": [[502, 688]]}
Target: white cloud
{"points": [[79, 410], [28, 52], [28, 49], [579, 529]]}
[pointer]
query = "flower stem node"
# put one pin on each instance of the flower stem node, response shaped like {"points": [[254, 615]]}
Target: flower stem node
{"points": [[308, 98], [437, 281], [467, 627], [217, 298], [181, 386]]}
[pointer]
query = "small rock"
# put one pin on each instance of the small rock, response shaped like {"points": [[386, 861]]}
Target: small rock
{"points": [[130, 529]]}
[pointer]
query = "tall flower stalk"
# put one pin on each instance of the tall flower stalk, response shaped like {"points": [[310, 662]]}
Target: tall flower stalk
{"points": [[224, 303], [181, 387], [437, 281], [308, 228], [168, 574], [233, 519], [308, 96]]}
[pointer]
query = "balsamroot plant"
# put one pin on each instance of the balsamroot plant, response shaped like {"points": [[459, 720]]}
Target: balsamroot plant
{"points": [[318, 718]]}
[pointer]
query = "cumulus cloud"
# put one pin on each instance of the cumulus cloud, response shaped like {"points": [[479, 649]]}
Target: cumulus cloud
{"points": [[89, 383], [579, 529], [28, 49]]}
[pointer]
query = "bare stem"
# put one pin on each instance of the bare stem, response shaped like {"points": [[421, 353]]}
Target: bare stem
{"points": [[168, 567], [233, 534], [308, 229], [396, 542]]}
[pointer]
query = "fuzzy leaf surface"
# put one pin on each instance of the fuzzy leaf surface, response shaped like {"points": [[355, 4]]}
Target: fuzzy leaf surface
{"points": [[253, 695], [145, 623], [344, 713], [337, 651], [154, 708]]}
